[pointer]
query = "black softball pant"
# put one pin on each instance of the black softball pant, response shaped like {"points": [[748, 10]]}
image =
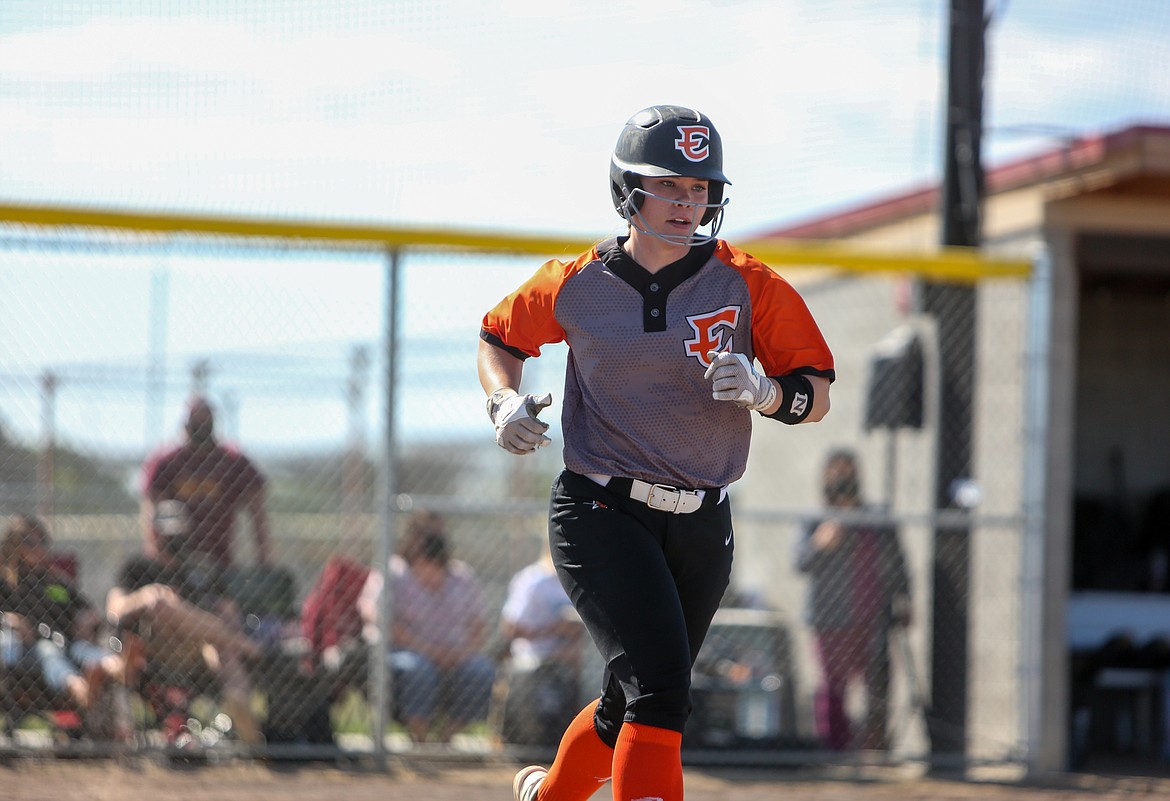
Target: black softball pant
{"points": [[646, 583]]}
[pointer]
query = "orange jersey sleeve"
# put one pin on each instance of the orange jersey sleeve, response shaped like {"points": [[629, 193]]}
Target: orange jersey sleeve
{"points": [[526, 319], [785, 337]]}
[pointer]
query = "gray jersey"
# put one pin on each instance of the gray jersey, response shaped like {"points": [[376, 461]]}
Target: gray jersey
{"points": [[636, 403]]}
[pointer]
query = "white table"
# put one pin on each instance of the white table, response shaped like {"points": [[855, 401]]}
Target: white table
{"points": [[1095, 616]]}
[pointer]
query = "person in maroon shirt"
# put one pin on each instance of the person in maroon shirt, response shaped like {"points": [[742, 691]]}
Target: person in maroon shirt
{"points": [[859, 590], [202, 486]]}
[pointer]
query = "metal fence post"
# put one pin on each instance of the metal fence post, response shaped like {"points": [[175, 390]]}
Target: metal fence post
{"points": [[1034, 492], [381, 691]]}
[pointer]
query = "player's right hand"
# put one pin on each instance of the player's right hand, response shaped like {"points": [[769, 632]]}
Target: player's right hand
{"points": [[734, 378], [518, 429]]}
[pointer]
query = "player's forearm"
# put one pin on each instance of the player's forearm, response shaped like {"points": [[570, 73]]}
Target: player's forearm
{"points": [[498, 368], [820, 406]]}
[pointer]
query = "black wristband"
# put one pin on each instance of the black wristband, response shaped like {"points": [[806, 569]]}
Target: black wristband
{"points": [[797, 399]]}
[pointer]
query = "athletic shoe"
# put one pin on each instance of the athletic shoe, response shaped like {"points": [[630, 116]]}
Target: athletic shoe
{"points": [[527, 782]]}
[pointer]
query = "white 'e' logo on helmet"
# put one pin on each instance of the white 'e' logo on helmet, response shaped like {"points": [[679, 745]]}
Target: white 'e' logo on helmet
{"points": [[694, 142]]}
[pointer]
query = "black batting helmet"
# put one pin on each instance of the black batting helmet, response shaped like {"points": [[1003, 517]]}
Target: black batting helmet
{"points": [[663, 141]]}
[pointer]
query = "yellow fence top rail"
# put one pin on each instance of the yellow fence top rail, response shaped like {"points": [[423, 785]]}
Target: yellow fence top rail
{"points": [[957, 264]]}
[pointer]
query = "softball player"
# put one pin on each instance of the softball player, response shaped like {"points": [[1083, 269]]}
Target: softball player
{"points": [[665, 327]]}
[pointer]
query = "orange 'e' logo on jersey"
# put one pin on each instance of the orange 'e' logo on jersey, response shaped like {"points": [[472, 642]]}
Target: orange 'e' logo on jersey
{"points": [[710, 329], [694, 141]]}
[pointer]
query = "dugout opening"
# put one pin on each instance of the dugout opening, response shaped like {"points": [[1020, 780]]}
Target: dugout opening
{"points": [[1119, 605]]}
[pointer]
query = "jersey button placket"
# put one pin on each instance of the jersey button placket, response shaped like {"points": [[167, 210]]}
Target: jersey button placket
{"points": [[654, 319]]}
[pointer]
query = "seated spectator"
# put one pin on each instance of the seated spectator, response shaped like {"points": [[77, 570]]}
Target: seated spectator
{"points": [[420, 526], [51, 628], [543, 635], [538, 620], [180, 608], [331, 623], [442, 680]]}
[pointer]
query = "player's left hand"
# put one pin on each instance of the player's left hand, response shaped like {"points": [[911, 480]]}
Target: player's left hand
{"points": [[734, 378]]}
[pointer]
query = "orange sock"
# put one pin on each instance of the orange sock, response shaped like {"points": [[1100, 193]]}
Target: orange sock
{"points": [[583, 762], [647, 764]]}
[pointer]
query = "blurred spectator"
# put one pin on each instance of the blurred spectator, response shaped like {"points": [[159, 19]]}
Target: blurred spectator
{"points": [[858, 591], [330, 620], [542, 633], [49, 626], [191, 627], [201, 486], [421, 526], [442, 680], [538, 620]]}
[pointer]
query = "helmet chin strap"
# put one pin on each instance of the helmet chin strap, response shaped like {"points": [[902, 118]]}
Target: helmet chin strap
{"points": [[632, 213]]}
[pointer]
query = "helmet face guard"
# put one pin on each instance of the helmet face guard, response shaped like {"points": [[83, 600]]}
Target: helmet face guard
{"points": [[631, 210], [668, 141]]}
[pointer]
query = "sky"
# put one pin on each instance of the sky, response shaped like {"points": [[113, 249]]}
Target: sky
{"points": [[470, 114]]}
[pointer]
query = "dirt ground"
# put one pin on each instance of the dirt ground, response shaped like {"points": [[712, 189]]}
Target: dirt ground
{"points": [[106, 780]]}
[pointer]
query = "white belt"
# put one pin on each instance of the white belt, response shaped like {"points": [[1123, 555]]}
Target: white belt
{"points": [[660, 496]]}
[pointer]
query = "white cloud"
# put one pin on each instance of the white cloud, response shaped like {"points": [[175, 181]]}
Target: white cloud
{"points": [[480, 115], [459, 126], [201, 52]]}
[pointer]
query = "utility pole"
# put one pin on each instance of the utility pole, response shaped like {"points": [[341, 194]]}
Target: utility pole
{"points": [[953, 308]]}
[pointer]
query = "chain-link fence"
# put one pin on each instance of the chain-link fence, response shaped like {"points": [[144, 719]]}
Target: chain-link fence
{"points": [[350, 437]]}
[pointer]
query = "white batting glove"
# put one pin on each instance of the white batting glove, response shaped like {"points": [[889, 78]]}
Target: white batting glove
{"points": [[518, 430], [734, 378]]}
